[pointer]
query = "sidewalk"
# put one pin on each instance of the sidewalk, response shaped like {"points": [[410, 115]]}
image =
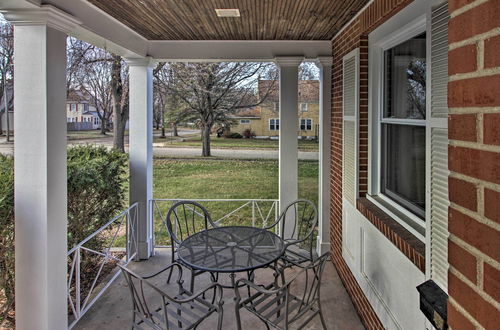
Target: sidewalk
{"points": [[8, 148]]}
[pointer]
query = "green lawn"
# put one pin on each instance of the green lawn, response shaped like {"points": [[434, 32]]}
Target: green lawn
{"points": [[223, 179], [195, 141], [83, 135]]}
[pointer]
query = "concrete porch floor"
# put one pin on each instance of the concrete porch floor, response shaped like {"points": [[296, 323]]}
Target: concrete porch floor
{"points": [[113, 309]]}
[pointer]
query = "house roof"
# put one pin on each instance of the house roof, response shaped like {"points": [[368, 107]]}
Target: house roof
{"points": [[10, 98], [308, 90], [77, 96], [259, 19], [252, 112]]}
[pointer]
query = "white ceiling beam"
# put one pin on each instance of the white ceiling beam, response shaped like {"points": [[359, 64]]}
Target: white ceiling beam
{"points": [[237, 50], [104, 31]]}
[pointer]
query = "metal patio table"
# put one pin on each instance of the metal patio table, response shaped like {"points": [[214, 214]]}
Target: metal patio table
{"points": [[231, 249]]}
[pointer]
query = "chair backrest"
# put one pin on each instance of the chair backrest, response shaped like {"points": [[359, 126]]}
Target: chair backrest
{"points": [[309, 290], [290, 300], [185, 218], [299, 221], [143, 301]]}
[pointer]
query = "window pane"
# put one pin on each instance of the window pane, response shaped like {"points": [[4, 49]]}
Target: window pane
{"points": [[403, 172], [405, 72]]}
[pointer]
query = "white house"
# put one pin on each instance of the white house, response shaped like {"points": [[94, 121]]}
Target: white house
{"points": [[80, 113]]}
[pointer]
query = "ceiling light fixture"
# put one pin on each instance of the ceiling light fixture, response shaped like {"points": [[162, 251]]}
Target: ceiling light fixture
{"points": [[228, 12]]}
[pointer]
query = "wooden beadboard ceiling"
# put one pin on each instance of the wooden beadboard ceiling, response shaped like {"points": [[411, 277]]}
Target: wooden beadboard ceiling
{"points": [[260, 19]]}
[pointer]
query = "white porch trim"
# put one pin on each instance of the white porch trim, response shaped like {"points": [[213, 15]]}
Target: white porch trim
{"points": [[40, 167], [288, 143], [141, 148], [324, 64]]}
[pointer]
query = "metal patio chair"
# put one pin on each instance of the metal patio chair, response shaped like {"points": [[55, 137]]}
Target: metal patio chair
{"points": [[185, 218], [155, 309], [277, 306], [299, 237]]}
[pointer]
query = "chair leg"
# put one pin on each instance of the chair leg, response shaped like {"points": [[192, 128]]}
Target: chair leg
{"points": [[169, 275], [237, 313], [191, 285], [323, 323], [220, 318]]}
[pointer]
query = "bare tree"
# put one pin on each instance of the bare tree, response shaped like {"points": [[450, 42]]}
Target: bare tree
{"points": [[94, 77], [160, 89], [77, 53], [214, 91], [6, 71], [119, 91]]}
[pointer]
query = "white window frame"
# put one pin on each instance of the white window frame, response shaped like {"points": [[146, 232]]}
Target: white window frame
{"points": [[303, 107], [244, 121], [275, 122], [395, 31], [304, 121]]}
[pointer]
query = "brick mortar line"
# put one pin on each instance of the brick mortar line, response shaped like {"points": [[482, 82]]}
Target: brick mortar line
{"points": [[480, 200], [475, 74], [485, 184], [475, 145], [480, 128], [474, 251], [467, 7], [478, 217], [472, 40], [480, 274], [480, 55], [464, 312], [459, 110], [474, 287]]}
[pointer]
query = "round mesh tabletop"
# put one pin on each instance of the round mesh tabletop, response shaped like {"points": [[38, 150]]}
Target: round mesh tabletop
{"points": [[230, 249]]}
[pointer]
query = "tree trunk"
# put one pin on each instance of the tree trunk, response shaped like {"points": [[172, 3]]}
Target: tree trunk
{"points": [[157, 125], [120, 108], [103, 126], [119, 131], [8, 123], [205, 136], [176, 132]]}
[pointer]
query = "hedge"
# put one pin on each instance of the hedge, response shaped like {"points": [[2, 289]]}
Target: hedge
{"points": [[96, 192]]}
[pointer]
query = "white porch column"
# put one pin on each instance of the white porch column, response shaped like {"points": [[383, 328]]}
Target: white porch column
{"points": [[40, 167], [141, 148], [325, 110], [288, 144]]}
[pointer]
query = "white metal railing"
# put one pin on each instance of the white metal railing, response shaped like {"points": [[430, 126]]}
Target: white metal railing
{"points": [[254, 212], [121, 226]]}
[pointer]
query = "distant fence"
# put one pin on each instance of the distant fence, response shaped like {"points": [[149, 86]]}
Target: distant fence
{"points": [[82, 126]]}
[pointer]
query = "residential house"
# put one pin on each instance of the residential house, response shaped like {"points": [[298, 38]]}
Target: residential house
{"points": [[264, 120], [246, 119], [80, 113]]}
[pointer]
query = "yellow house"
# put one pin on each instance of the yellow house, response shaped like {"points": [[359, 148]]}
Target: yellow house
{"points": [[264, 120]]}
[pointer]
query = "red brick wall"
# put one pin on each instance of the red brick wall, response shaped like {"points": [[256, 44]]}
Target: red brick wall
{"points": [[474, 162], [355, 35]]}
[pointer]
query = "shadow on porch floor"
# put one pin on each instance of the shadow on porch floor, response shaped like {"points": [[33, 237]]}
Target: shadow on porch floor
{"points": [[113, 310]]}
